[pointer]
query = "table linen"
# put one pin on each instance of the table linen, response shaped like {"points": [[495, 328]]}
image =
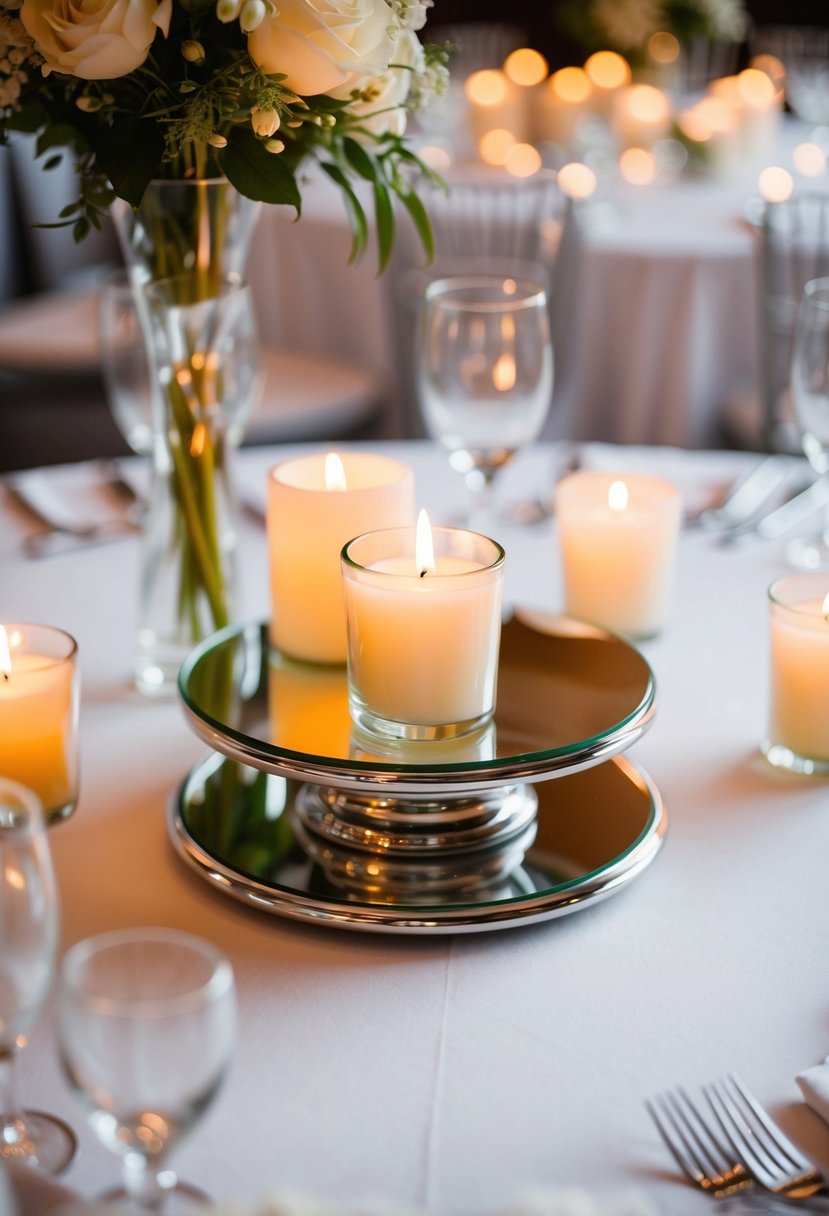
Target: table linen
{"points": [[453, 1072]]}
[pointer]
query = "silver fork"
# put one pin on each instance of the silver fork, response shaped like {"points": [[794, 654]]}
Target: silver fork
{"points": [[757, 1140], [701, 1155]]}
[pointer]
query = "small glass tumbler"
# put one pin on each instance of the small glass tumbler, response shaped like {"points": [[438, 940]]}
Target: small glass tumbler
{"points": [[422, 642], [798, 734], [39, 696]]}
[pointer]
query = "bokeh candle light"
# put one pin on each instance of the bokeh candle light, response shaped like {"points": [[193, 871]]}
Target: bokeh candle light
{"points": [[39, 691], [316, 504], [617, 536], [424, 628]]}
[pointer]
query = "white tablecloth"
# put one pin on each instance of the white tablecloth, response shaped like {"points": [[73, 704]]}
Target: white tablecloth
{"points": [[454, 1072]]}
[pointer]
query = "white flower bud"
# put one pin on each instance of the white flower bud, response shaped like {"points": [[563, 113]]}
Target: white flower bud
{"points": [[228, 10], [274, 145], [88, 104], [192, 51], [252, 15], [264, 122], [217, 141]]}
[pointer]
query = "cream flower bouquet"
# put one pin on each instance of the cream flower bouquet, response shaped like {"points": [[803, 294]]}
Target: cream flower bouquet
{"points": [[243, 89]]}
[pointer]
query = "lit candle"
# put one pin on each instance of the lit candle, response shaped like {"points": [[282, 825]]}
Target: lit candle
{"points": [[608, 72], [560, 106], [494, 102], [640, 115], [39, 714], [315, 504], [618, 539], [799, 703], [424, 627]]}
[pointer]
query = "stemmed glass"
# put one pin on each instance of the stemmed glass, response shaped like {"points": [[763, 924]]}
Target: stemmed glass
{"points": [[28, 944], [484, 374], [125, 368], [810, 395], [146, 1027]]}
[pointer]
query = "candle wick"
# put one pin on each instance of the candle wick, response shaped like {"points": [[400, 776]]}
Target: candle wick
{"points": [[5, 675], [423, 574]]}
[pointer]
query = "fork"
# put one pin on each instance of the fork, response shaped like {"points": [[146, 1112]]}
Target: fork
{"points": [[757, 1140], [698, 1152]]}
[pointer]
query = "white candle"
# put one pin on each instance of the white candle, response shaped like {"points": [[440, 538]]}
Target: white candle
{"points": [[560, 106], [309, 521], [799, 702], [494, 102], [39, 714], [617, 534], [423, 631], [641, 115]]}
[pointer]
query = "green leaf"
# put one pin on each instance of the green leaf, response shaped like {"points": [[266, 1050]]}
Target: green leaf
{"points": [[128, 153], [356, 214], [360, 161], [420, 219], [60, 135], [30, 119], [53, 162], [257, 173], [384, 216]]}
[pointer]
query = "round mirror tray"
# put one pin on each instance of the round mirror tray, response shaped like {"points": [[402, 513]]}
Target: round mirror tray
{"points": [[595, 831], [300, 817]]}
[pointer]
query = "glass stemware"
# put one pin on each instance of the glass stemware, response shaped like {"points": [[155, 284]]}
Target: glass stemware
{"points": [[28, 944], [146, 1024], [125, 368], [810, 395], [485, 374]]}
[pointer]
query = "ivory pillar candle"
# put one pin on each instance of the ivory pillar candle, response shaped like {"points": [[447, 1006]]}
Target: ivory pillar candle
{"points": [[798, 736], [423, 631], [641, 115], [494, 102], [39, 692], [308, 521], [617, 535]]}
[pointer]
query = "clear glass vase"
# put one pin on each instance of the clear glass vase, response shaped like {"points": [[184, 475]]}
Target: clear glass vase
{"points": [[206, 357], [185, 248]]}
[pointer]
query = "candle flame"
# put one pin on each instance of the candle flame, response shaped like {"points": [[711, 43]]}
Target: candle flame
{"points": [[424, 545], [5, 654], [334, 473], [504, 373], [617, 496]]}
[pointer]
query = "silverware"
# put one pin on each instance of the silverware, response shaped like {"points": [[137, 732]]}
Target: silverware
{"points": [[767, 1152], [60, 536], [749, 494], [710, 1160], [784, 518]]}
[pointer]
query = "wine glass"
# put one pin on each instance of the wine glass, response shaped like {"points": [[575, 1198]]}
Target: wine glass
{"points": [[28, 944], [810, 396], [484, 374], [125, 368], [146, 1026]]}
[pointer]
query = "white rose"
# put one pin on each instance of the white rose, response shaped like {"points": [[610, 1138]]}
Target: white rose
{"points": [[319, 44], [95, 42], [382, 97]]}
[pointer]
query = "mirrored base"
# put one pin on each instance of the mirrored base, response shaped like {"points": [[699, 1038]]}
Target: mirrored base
{"points": [[255, 837], [783, 757]]}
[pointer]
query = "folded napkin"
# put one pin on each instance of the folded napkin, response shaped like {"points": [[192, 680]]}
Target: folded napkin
{"points": [[814, 1085]]}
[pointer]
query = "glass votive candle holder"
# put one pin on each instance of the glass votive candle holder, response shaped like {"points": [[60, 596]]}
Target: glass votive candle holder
{"points": [[39, 697], [798, 731], [315, 504], [618, 535], [422, 641]]}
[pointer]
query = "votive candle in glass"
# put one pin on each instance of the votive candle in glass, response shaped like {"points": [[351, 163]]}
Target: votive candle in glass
{"points": [[39, 696], [798, 733], [424, 629], [618, 536], [315, 504]]}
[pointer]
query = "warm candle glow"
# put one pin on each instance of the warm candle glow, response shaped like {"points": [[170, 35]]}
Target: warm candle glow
{"points": [[436, 157], [775, 184], [755, 89], [486, 88], [5, 655], [495, 146], [577, 180], [522, 160], [649, 104], [607, 70], [570, 84], [424, 545], [809, 159], [637, 166], [617, 496], [525, 67], [663, 47], [504, 374], [334, 473]]}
